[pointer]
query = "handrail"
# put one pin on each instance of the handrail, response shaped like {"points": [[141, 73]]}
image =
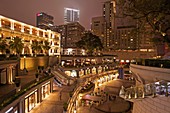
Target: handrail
{"points": [[142, 91]]}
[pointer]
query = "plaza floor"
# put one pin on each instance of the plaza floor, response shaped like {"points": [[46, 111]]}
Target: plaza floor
{"points": [[53, 104]]}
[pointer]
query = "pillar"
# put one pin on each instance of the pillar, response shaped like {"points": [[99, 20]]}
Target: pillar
{"points": [[77, 72], [12, 25], [30, 30], [51, 85], [9, 75], [22, 105], [37, 32], [97, 69], [90, 70], [43, 34]]}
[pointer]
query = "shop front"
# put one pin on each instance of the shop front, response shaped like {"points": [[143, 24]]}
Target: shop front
{"points": [[45, 90], [31, 101]]}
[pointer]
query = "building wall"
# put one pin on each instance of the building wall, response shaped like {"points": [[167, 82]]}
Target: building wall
{"points": [[32, 63], [98, 27], [44, 21], [19, 103], [150, 74], [10, 28], [152, 105], [71, 15], [130, 55], [70, 34]]}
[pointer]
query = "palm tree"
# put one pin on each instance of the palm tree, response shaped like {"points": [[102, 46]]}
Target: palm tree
{"points": [[36, 46], [46, 47], [3, 45], [16, 45]]}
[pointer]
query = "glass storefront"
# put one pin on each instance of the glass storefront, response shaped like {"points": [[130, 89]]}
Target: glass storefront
{"points": [[45, 90], [31, 101], [13, 109]]}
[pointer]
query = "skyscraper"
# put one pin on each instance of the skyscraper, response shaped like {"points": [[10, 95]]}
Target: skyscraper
{"points": [[98, 26], [109, 14], [71, 15], [70, 34], [117, 34], [44, 21]]}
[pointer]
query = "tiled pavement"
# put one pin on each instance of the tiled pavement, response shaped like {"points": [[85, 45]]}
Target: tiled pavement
{"points": [[53, 104]]}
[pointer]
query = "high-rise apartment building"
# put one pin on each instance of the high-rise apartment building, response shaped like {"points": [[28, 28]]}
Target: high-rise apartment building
{"points": [[70, 34], [98, 25], [71, 15], [44, 21], [117, 33]]}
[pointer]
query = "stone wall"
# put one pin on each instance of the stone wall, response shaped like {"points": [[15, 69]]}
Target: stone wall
{"points": [[160, 104], [150, 74], [32, 63]]}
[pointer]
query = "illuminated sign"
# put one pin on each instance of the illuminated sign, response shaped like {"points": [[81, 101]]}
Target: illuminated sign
{"points": [[39, 14]]}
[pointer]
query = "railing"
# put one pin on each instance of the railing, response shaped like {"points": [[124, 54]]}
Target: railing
{"points": [[153, 63], [7, 57], [153, 89], [72, 100]]}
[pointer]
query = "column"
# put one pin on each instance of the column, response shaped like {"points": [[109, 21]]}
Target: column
{"points": [[22, 28], [90, 70], [22, 106], [97, 69], [43, 34], [12, 25], [30, 48], [51, 85], [30, 30], [9, 75], [39, 95], [77, 71], [38, 33]]}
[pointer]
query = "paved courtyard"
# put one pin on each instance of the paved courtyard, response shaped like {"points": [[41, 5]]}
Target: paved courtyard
{"points": [[53, 104]]}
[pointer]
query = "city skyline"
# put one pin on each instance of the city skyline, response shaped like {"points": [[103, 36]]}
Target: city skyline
{"points": [[26, 11]]}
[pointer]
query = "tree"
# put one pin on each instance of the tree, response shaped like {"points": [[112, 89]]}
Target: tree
{"points": [[16, 45], [154, 12], [46, 47], [3, 45], [36, 46], [90, 43]]}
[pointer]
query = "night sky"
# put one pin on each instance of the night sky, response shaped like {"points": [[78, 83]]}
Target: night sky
{"points": [[25, 10]]}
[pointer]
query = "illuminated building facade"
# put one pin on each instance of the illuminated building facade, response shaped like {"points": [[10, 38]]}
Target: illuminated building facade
{"points": [[70, 34], [109, 14], [98, 26], [44, 21], [30, 99], [71, 15], [10, 28]]}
